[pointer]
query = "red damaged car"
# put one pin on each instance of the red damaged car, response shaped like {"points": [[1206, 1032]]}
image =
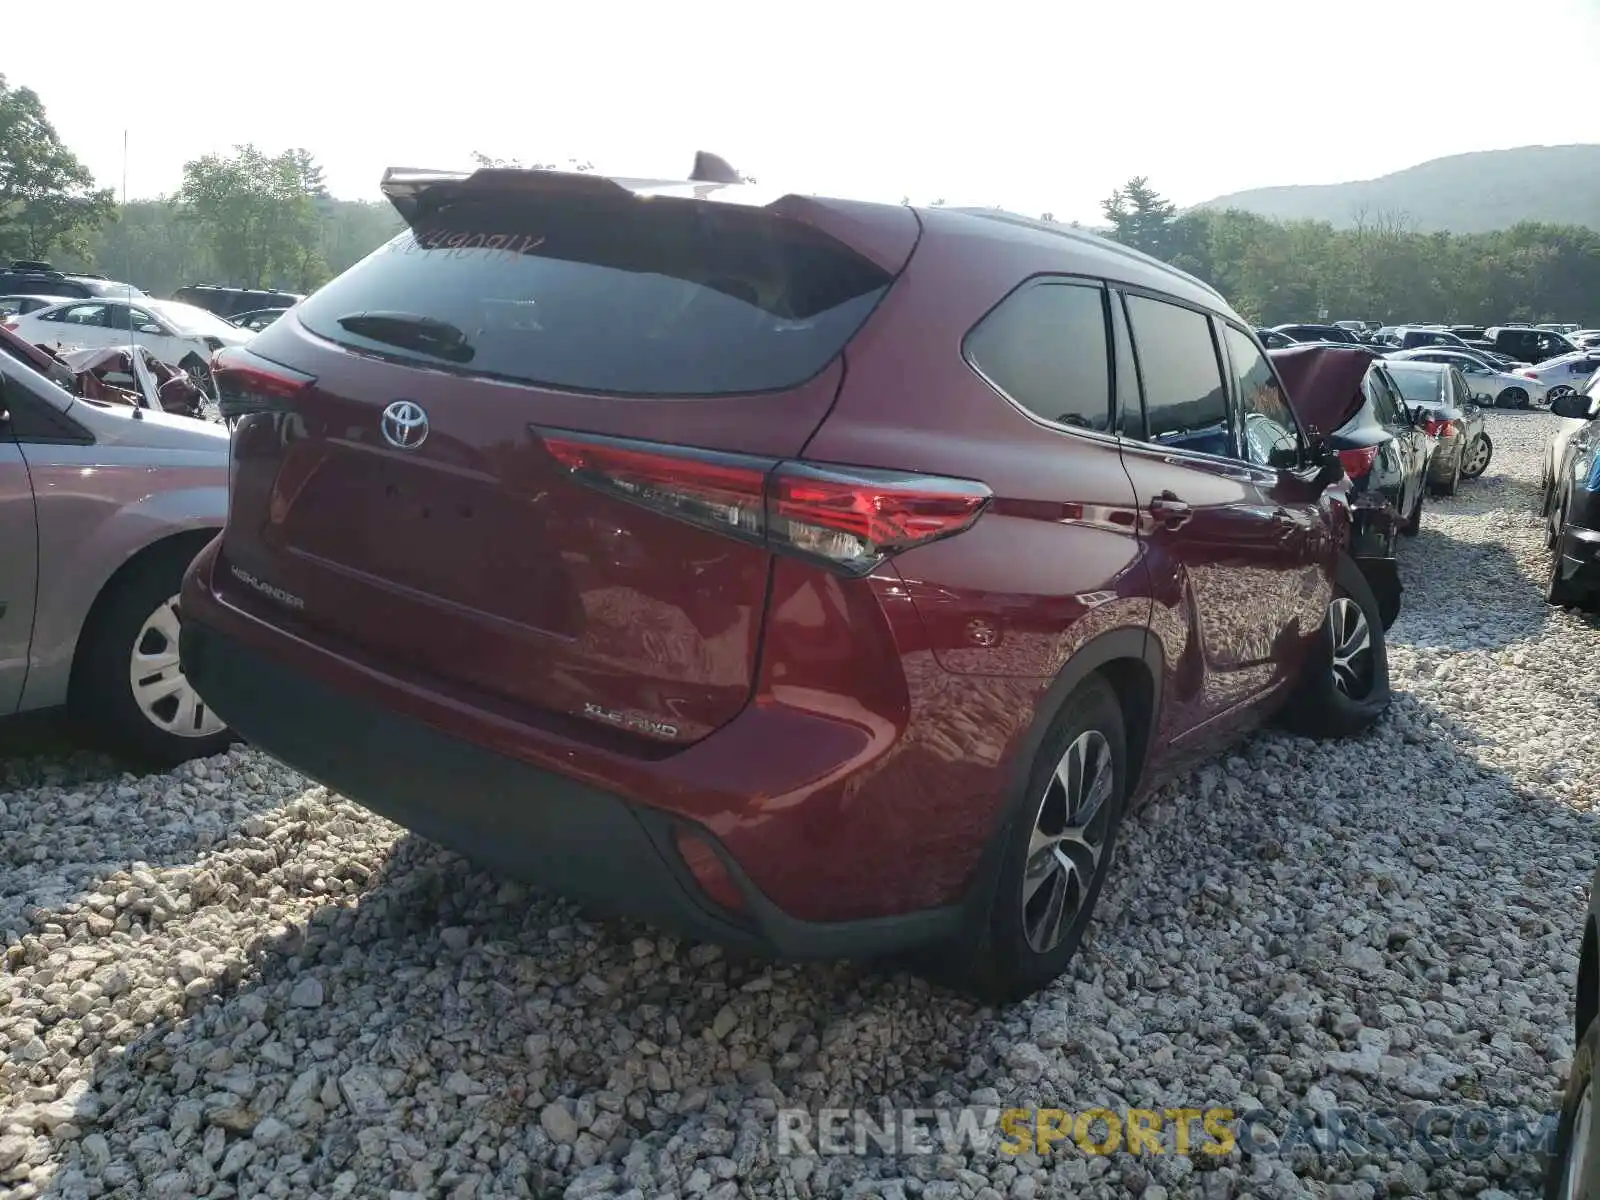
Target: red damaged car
{"points": [[820, 577]]}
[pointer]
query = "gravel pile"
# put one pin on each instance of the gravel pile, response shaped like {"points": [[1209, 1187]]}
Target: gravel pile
{"points": [[224, 982]]}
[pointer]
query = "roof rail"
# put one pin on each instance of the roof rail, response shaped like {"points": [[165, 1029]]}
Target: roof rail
{"points": [[24, 264]]}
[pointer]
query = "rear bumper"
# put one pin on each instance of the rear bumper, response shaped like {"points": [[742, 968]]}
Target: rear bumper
{"points": [[597, 847]]}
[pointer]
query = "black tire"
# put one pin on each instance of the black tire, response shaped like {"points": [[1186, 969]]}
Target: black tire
{"points": [[101, 695], [1473, 467], [1580, 1081], [1412, 525], [200, 371], [1002, 964], [1512, 398], [1448, 487], [1319, 707]]}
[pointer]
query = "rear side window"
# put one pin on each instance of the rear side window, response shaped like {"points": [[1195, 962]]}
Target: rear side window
{"points": [[1045, 347], [641, 297], [1185, 403], [1385, 400]]}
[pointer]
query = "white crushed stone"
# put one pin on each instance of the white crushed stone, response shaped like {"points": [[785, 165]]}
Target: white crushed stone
{"points": [[224, 982]]}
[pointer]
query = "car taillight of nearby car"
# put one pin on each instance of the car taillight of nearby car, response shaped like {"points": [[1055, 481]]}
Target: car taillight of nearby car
{"points": [[1439, 427], [1358, 462]]}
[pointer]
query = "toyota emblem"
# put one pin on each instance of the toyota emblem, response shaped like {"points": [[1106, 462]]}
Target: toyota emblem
{"points": [[404, 425]]}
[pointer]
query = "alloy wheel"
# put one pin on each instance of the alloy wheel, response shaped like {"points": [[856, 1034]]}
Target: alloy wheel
{"points": [[1577, 1164], [1477, 457], [1068, 841], [167, 699], [1352, 648], [1556, 393]]}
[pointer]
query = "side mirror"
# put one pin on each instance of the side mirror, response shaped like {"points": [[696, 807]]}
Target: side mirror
{"points": [[1319, 454], [155, 329], [1573, 405], [1329, 469]]}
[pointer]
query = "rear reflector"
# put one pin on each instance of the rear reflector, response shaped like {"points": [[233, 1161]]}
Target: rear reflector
{"points": [[1358, 462], [850, 518], [708, 870], [247, 383]]}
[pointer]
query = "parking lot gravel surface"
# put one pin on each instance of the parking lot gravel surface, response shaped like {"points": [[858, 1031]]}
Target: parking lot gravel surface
{"points": [[223, 981]]}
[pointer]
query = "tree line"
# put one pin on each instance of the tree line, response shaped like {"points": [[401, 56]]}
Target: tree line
{"points": [[1380, 270], [250, 218]]}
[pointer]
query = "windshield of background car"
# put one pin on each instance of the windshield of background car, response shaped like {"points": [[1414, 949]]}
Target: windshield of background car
{"points": [[1419, 387], [659, 297], [189, 320], [109, 288]]}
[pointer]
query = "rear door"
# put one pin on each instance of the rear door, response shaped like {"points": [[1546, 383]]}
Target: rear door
{"points": [[1410, 448], [19, 551], [80, 326], [418, 497], [1211, 526]]}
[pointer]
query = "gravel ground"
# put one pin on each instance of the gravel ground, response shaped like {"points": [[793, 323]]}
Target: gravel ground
{"points": [[224, 982]]}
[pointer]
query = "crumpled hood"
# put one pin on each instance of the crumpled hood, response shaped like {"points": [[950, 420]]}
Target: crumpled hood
{"points": [[1323, 382]]}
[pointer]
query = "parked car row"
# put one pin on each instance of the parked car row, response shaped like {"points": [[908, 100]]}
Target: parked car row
{"points": [[182, 332], [1510, 345]]}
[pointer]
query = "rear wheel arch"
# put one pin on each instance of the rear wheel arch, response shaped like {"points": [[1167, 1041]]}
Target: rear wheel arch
{"points": [[1587, 1004], [1131, 661], [192, 540]]}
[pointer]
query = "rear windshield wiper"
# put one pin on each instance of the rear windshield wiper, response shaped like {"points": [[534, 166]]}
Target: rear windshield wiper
{"points": [[412, 332]]}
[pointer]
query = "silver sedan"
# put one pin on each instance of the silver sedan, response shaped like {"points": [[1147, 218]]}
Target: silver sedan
{"points": [[1490, 386]]}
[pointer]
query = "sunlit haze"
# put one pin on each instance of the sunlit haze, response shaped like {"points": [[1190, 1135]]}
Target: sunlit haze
{"points": [[1034, 107]]}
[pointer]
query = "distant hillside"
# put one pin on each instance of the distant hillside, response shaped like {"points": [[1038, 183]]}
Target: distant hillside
{"points": [[1465, 193]]}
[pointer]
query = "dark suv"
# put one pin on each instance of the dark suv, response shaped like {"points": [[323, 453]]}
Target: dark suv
{"points": [[821, 577], [41, 279], [1528, 345], [231, 301]]}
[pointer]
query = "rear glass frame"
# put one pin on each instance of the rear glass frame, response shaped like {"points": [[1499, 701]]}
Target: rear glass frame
{"points": [[644, 265]]}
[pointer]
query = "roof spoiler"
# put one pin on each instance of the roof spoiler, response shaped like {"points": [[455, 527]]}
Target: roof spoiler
{"points": [[418, 192], [710, 168]]}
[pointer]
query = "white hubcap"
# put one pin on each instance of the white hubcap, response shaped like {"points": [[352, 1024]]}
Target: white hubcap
{"points": [[159, 688]]}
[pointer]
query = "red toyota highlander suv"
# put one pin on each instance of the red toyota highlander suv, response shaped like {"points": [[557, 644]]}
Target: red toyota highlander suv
{"points": [[820, 577]]}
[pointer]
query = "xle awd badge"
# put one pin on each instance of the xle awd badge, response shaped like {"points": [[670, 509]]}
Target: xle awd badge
{"points": [[404, 425], [631, 721]]}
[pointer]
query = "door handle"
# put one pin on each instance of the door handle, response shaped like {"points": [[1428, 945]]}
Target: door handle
{"points": [[1169, 510]]}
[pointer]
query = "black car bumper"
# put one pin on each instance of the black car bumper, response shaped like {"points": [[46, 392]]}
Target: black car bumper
{"points": [[1579, 557], [511, 817]]}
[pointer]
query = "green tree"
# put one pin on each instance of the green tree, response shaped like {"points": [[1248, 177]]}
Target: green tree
{"points": [[1140, 217], [48, 200], [259, 215]]}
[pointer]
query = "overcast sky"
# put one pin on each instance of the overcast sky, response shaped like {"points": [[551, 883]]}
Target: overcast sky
{"points": [[1042, 106]]}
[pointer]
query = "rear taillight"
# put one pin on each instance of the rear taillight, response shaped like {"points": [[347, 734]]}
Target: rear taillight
{"points": [[11, 325], [247, 383], [1529, 374], [1439, 427], [1358, 462], [851, 518]]}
